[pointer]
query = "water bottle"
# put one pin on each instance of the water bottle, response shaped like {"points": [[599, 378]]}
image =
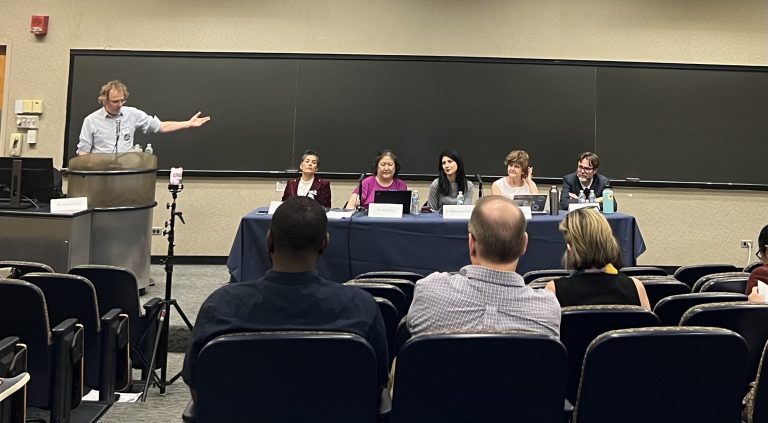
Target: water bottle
{"points": [[460, 198], [609, 203], [554, 201], [149, 149], [415, 206], [137, 148], [582, 197], [592, 198]]}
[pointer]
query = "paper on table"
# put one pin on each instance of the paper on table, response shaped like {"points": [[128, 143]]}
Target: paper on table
{"points": [[762, 288]]}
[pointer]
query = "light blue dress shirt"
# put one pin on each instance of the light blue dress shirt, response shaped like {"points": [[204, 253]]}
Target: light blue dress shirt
{"points": [[104, 133]]}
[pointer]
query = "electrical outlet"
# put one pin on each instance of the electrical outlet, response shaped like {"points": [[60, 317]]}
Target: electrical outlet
{"points": [[157, 230], [746, 243]]}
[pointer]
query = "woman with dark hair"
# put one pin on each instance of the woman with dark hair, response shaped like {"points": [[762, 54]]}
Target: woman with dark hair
{"points": [[593, 254], [307, 184], [450, 181], [384, 178], [760, 273]]}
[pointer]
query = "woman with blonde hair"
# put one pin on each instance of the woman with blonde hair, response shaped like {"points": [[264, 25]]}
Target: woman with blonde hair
{"points": [[519, 179], [594, 255]]}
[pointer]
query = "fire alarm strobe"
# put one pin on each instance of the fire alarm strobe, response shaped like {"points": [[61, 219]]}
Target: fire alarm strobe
{"points": [[39, 25]]}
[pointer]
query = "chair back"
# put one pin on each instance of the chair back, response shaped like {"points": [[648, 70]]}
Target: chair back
{"points": [[745, 318], [480, 377], [670, 374], [392, 293], [287, 377], [391, 320], [706, 278], [70, 296], [21, 268], [757, 406], [396, 274], [737, 284], [657, 289], [643, 271], [580, 325], [404, 284], [691, 273], [671, 309], [528, 277], [752, 266]]}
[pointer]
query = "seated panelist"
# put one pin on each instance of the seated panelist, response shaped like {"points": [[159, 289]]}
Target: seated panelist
{"points": [[585, 178], [519, 179], [593, 254], [384, 178], [308, 185], [451, 179]]}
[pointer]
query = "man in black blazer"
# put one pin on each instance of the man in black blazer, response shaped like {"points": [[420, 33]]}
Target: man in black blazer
{"points": [[585, 177]]}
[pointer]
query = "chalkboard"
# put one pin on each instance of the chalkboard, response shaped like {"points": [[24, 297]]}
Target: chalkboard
{"points": [[649, 121]]}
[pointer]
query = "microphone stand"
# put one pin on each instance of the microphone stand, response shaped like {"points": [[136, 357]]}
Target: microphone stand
{"points": [[479, 184], [360, 192]]}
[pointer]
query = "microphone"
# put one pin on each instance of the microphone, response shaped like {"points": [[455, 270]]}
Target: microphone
{"points": [[360, 191], [479, 184], [117, 133]]}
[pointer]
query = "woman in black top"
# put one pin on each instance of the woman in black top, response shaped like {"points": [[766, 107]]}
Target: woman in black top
{"points": [[594, 255]]}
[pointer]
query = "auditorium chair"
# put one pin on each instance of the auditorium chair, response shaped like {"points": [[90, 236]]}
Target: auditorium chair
{"points": [[691, 273], [391, 320], [106, 353], [671, 309], [397, 274], [737, 284], [752, 266], [745, 318], [480, 377], [540, 283], [643, 271], [55, 356], [392, 293], [657, 288], [404, 284], [706, 278], [117, 287], [286, 377], [21, 268], [13, 396], [13, 364], [756, 403], [528, 277], [663, 374], [582, 324]]}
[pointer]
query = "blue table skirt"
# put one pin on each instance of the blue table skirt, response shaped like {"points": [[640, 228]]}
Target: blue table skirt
{"points": [[422, 243]]}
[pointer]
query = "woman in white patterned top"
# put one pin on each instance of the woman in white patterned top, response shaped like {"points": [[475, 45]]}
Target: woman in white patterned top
{"points": [[519, 179]]}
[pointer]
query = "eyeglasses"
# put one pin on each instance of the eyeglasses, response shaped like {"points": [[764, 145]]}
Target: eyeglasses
{"points": [[116, 102], [586, 169]]}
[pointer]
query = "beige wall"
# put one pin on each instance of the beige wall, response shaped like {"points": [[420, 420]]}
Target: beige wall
{"points": [[680, 226]]}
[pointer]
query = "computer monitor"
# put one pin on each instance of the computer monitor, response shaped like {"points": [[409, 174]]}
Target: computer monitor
{"points": [[25, 181]]}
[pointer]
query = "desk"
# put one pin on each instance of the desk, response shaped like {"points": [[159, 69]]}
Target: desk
{"points": [[422, 243]]}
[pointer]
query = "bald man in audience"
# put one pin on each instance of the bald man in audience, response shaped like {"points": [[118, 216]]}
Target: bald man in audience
{"points": [[488, 294]]}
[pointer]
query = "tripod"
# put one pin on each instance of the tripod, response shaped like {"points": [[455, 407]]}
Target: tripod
{"points": [[161, 340]]}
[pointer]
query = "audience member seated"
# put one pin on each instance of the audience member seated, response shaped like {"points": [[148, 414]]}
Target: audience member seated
{"points": [[487, 294], [307, 185], [385, 171], [594, 254], [519, 179], [760, 273], [585, 178], [451, 179], [291, 296]]}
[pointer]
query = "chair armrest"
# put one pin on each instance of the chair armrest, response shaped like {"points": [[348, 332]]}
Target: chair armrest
{"points": [[67, 369], [152, 306], [189, 415], [108, 354], [13, 357]]}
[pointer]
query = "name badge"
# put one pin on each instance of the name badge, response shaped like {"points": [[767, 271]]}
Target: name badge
{"points": [[69, 205], [576, 206], [385, 210], [458, 211]]}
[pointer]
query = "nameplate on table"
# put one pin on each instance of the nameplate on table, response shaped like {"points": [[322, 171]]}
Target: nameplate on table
{"points": [[69, 205], [385, 210], [458, 211], [339, 214], [526, 212], [576, 206], [273, 205]]}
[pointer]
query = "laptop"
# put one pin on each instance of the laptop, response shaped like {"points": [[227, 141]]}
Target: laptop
{"points": [[394, 197], [537, 202]]}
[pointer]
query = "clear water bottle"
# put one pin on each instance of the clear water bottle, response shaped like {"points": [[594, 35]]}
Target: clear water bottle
{"points": [[149, 149], [415, 206], [554, 201], [460, 198], [582, 197], [609, 203], [592, 198], [137, 148]]}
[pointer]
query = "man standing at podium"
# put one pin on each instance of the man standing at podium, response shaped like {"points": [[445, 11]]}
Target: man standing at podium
{"points": [[110, 129]]}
